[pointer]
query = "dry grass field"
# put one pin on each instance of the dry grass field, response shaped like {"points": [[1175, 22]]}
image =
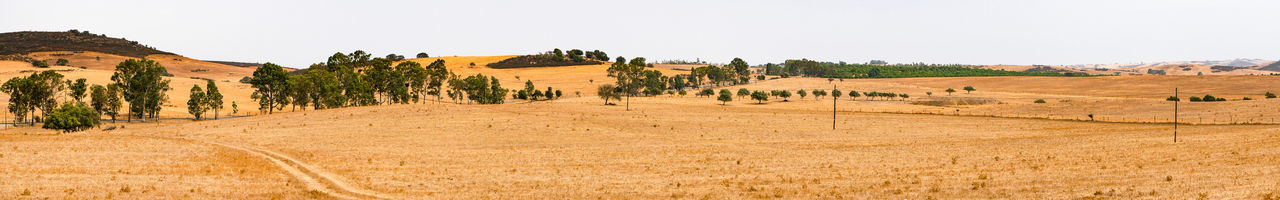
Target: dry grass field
{"points": [[683, 147]]}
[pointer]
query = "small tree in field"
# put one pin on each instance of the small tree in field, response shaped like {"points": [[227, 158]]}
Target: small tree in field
{"points": [[1040, 101], [1270, 95], [1172, 98], [608, 91], [968, 89], [78, 90], [854, 95], [725, 96], [785, 94], [949, 91], [234, 108], [818, 94], [904, 96], [836, 93], [71, 117], [742, 92], [196, 105], [802, 94], [759, 96], [928, 93], [706, 92]]}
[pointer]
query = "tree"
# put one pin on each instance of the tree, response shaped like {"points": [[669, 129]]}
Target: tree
{"points": [[23, 92], [706, 92], [197, 105], [269, 80], [904, 96], [1195, 99], [142, 85], [785, 94], [98, 98], [740, 67], [725, 96], [114, 101], [818, 94], [436, 75], [1040, 101], [854, 95], [608, 91], [234, 108], [71, 117], [213, 98], [78, 89], [1172, 98], [61, 62], [835, 93], [629, 77], [742, 92], [759, 96], [558, 94], [802, 93], [928, 93], [968, 89], [949, 91], [423, 55], [1270, 95]]}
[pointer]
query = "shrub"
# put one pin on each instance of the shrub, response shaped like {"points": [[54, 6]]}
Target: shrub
{"points": [[1172, 98], [707, 92], [40, 64], [725, 96], [1040, 101], [1270, 95], [1247, 98], [1195, 99], [71, 117], [1208, 98], [760, 96], [61, 62]]}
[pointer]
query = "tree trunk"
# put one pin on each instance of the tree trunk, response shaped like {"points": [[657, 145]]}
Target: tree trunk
{"points": [[628, 102]]}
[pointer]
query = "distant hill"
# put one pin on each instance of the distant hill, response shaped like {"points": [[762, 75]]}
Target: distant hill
{"points": [[1241, 62], [32, 41], [237, 64], [1274, 66], [540, 60]]}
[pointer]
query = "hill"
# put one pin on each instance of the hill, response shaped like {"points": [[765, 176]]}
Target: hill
{"points": [[540, 60], [33, 41]]}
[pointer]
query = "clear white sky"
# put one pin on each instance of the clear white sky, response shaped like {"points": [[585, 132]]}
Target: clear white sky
{"points": [[297, 33]]}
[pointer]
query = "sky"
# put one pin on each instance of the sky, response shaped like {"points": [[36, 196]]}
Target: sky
{"points": [[298, 33]]}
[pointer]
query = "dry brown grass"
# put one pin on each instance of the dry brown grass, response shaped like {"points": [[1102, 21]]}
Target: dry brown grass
{"points": [[687, 147]]}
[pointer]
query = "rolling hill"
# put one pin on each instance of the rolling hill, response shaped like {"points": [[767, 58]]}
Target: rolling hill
{"points": [[96, 51]]}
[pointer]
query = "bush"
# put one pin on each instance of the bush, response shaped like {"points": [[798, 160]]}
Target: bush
{"points": [[1172, 98], [1247, 98], [40, 64], [1040, 101], [1270, 95], [1195, 99], [1208, 98], [71, 117], [61, 62]]}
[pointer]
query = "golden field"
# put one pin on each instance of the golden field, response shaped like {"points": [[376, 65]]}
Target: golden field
{"points": [[687, 147]]}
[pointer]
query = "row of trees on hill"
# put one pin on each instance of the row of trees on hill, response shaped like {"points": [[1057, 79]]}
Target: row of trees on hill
{"points": [[356, 79], [805, 67], [736, 72], [137, 82], [632, 79], [529, 93]]}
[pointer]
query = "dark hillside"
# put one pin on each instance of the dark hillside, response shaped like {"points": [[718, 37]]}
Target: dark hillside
{"points": [[31, 41]]}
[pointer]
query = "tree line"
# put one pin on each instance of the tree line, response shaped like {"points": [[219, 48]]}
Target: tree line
{"points": [[357, 79], [139, 82], [805, 67]]}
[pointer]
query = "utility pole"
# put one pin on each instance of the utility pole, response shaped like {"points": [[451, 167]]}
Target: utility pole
{"points": [[833, 109], [1175, 115]]}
